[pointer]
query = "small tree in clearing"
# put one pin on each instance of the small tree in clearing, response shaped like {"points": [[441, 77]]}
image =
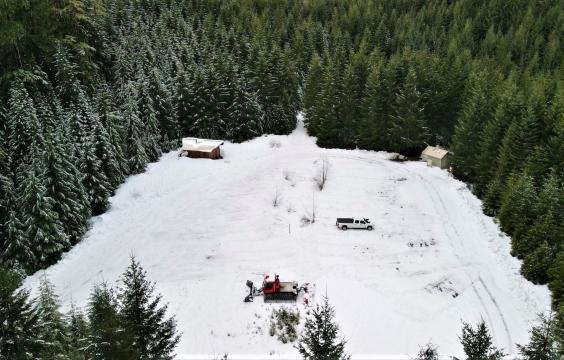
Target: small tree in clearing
{"points": [[428, 352], [477, 343], [543, 344], [319, 338]]}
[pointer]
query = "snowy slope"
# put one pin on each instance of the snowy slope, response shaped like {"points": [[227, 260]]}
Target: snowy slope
{"points": [[201, 228]]}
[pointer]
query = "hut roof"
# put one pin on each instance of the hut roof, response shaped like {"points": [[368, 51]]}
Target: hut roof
{"points": [[202, 145], [435, 151]]}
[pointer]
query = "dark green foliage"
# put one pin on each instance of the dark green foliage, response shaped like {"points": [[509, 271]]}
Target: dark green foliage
{"points": [[20, 324], [41, 225], [319, 340], [64, 186], [106, 336], [477, 343], [153, 334], [543, 343], [95, 182], [94, 90], [54, 329], [408, 131], [78, 332]]}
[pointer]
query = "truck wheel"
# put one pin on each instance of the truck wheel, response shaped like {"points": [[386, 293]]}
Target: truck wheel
{"points": [[369, 228], [344, 227]]}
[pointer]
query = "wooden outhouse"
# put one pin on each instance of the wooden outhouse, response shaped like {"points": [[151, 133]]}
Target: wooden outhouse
{"points": [[435, 156]]}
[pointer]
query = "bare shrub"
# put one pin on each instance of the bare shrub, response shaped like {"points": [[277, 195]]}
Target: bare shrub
{"points": [[276, 199], [310, 218], [321, 178]]}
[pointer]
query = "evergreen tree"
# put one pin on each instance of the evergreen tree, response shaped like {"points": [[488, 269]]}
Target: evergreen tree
{"points": [[408, 131], [107, 338], [477, 111], [54, 330], [311, 93], [516, 213], [94, 179], [135, 151], [329, 121], [20, 324], [64, 186], [375, 111], [245, 115], [477, 343], [165, 111], [105, 151], [543, 344], [41, 225], [556, 285], [23, 127], [78, 333], [148, 116], [154, 335], [15, 249], [319, 339]]}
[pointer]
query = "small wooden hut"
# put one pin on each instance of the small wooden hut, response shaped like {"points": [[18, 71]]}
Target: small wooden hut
{"points": [[201, 148], [435, 156]]}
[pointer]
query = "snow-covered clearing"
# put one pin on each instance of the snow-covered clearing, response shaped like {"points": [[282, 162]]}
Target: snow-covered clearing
{"points": [[201, 228]]}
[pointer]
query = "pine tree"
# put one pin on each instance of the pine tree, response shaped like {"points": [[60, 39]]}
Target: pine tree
{"points": [[516, 213], [23, 127], [245, 115], [20, 324], [375, 110], [408, 131], [104, 150], [111, 121], [94, 179], [556, 284], [477, 343], [154, 335], [64, 186], [312, 93], [488, 148], [54, 330], [319, 338], [78, 333], [477, 111], [329, 121], [41, 225], [135, 150], [543, 344], [107, 338], [165, 112], [148, 116], [16, 249]]}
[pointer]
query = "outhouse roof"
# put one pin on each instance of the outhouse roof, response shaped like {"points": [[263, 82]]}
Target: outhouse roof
{"points": [[435, 151]]}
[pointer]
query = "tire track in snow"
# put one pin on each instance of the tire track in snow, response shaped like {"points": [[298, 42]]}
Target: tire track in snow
{"points": [[442, 209], [445, 211]]}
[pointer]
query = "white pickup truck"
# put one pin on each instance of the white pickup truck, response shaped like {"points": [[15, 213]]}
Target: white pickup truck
{"points": [[354, 223]]}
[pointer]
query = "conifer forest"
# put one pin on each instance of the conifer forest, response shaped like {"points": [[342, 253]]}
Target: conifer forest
{"points": [[92, 91]]}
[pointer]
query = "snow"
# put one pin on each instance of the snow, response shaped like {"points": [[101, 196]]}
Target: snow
{"points": [[203, 145], [432, 260]]}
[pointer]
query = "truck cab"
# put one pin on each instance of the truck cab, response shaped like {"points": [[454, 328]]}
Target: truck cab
{"points": [[354, 223]]}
